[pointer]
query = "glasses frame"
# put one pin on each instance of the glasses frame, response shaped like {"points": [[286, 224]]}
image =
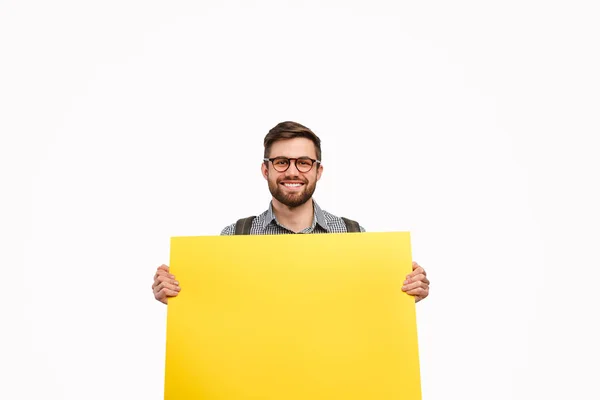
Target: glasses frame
{"points": [[318, 162]]}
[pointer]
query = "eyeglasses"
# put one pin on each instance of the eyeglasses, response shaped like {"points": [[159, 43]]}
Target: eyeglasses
{"points": [[281, 164]]}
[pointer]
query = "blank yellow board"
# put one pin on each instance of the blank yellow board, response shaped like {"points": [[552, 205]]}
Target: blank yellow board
{"points": [[286, 317]]}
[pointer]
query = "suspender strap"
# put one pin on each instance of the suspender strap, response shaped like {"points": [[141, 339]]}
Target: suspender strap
{"points": [[351, 226], [242, 226]]}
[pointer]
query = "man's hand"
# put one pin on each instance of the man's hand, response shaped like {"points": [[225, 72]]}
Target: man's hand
{"points": [[164, 285], [416, 283]]}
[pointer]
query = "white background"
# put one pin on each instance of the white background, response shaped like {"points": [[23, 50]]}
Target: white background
{"points": [[471, 124]]}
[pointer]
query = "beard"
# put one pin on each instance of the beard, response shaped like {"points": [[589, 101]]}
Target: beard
{"points": [[292, 199]]}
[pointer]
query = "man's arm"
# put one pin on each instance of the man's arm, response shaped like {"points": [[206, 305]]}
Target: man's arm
{"points": [[228, 230]]}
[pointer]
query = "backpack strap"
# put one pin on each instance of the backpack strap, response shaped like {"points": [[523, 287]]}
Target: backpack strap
{"points": [[351, 226], [242, 226]]}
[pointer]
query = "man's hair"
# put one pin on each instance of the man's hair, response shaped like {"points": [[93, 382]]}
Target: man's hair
{"points": [[291, 130]]}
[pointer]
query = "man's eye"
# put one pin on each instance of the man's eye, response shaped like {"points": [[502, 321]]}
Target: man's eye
{"points": [[305, 163], [280, 161]]}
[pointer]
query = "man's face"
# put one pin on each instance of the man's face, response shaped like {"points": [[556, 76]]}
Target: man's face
{"points": [[292, 187]]}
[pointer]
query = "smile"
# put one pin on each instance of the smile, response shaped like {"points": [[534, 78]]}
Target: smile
{"points": [[292, 185]]}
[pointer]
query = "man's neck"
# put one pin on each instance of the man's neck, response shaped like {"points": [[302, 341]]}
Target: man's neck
{"points": [[294, 218]]}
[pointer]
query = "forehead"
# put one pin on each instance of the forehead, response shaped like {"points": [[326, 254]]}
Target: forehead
{"points": [[296, 147]]}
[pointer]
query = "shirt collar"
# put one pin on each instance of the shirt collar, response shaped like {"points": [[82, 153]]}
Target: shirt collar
{"points": [[318, 218]]}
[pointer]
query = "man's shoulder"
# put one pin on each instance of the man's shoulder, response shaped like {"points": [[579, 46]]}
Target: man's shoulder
{"points": [[337, 224], [330, 217], [230, 229]]}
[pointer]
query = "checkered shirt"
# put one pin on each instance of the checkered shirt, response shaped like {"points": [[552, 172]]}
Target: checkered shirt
{"points": [[267, 224]]}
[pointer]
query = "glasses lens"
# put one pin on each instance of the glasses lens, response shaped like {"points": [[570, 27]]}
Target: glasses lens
{"points": [[304, 164], [281, 164]]}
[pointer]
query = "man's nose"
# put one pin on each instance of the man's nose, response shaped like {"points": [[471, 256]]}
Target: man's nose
{"points": [[293, 169]]}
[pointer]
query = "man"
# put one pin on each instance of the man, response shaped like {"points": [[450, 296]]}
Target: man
{"points": [[292, 167]]}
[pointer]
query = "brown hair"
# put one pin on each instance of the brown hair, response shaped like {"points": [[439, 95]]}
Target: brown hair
{"points": [[291, 130]]}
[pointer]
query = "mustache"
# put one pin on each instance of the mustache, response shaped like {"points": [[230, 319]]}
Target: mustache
{"points": [[293, 178]]}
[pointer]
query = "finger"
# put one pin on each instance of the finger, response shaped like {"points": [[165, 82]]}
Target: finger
{"points": [[171, 285], [163, 278], [162, 272], [414, 285], [163, 268], [410, 279], [416, 265], [417, 271], [164, 294], [418, 292]]}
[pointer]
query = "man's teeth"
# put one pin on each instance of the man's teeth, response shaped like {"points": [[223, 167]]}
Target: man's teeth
{"points": [[292, 184]]}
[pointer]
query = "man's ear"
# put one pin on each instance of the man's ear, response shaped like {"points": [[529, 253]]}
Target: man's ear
{"points": [[265, 170], [319, 171]]}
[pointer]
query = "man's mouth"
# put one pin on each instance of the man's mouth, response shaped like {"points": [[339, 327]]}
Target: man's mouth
{"points": [[292, 185]]}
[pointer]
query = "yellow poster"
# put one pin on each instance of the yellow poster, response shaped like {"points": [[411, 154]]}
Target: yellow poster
{"points": [[292, 317]]}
